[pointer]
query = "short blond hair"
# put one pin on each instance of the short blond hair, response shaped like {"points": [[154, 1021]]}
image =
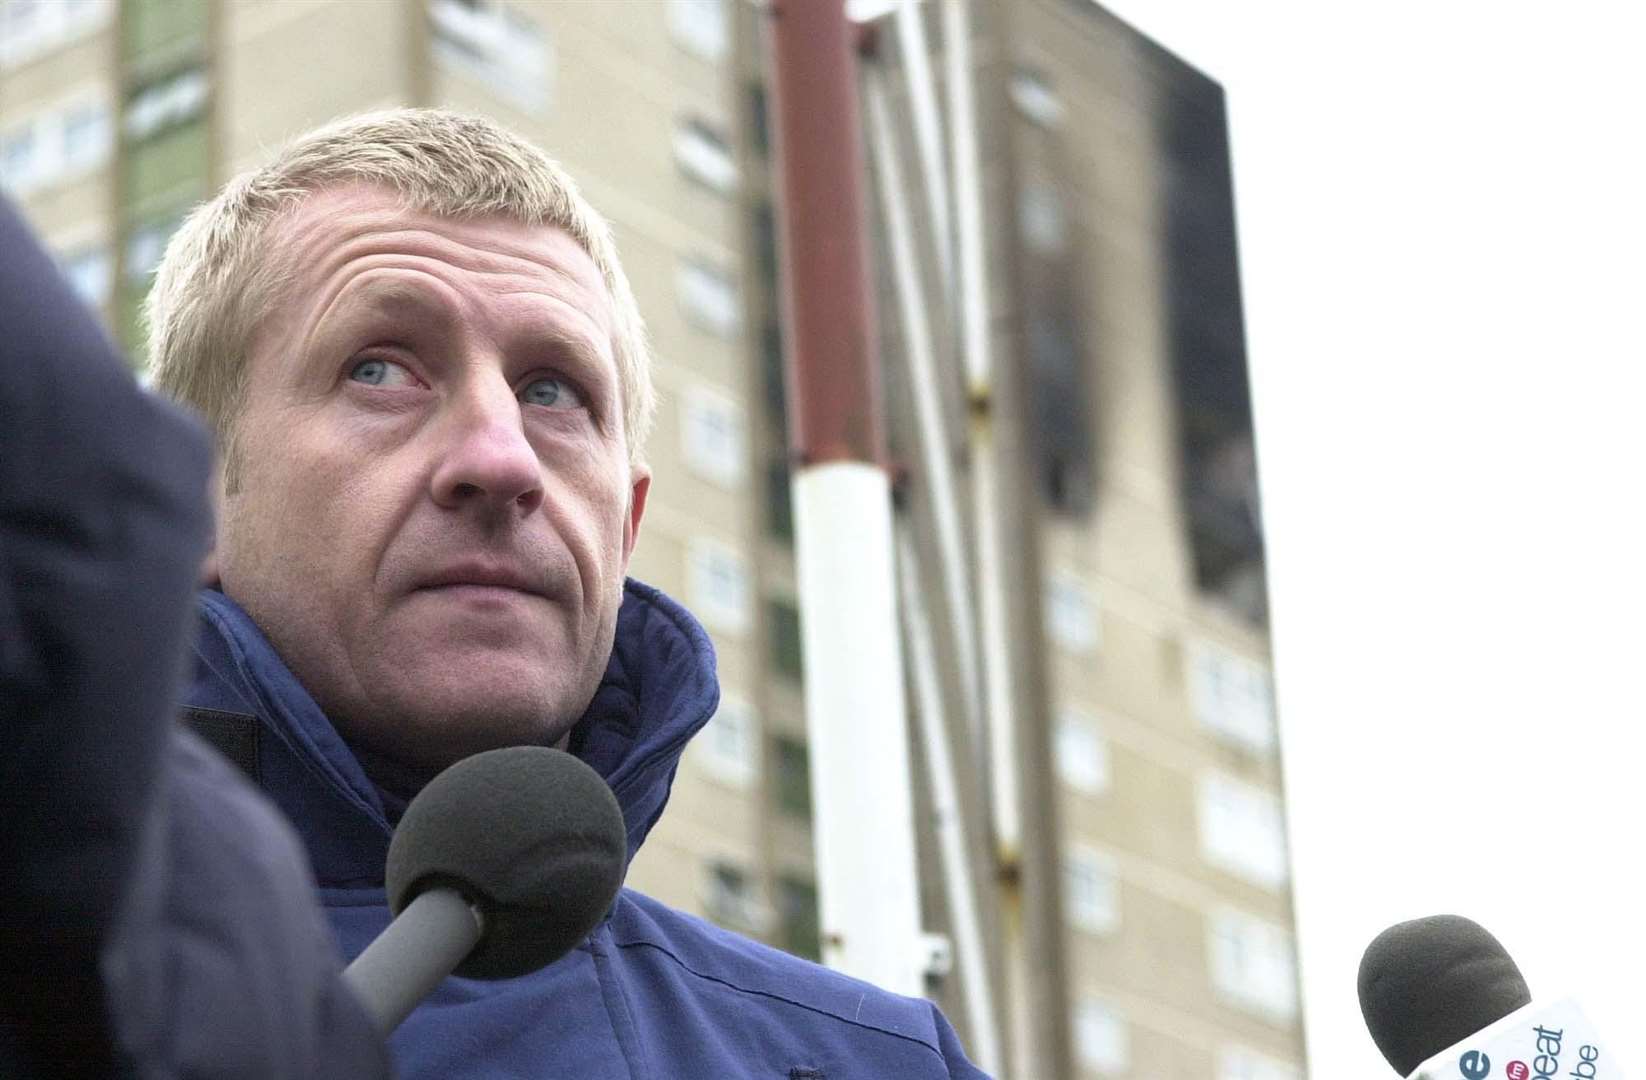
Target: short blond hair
{"points": [[217, 280]]}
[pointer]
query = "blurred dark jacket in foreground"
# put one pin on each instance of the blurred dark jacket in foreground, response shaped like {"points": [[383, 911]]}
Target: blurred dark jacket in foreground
{"points": [[157, 917]]}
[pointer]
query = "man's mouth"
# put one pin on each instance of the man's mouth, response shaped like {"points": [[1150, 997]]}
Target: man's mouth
{"points": [[481, 578]]}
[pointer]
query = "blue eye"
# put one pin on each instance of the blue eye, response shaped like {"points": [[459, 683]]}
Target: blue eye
{"points": [[379, 372], [551, 392]]}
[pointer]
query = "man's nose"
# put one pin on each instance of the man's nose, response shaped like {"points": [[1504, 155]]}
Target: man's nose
{"points": [[488, 462]]}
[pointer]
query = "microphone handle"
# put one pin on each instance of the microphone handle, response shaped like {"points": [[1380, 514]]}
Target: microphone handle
{"points": [[424, 943]]}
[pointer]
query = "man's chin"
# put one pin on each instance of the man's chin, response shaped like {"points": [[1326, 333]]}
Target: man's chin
{"points": [[435, 724]]}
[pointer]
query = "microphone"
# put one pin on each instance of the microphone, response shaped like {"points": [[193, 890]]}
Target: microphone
{"points": [[500, 866], [1443, 1001]]}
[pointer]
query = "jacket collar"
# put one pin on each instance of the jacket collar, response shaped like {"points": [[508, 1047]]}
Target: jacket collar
{"points": [[659, 689]]}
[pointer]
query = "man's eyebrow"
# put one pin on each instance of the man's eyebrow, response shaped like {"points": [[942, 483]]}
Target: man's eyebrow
{"points": [[382, 298], [563, 340], [567, 347]]}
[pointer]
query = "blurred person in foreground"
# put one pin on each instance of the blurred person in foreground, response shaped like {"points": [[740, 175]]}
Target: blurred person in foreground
{"points": [[431, 389], [158, 916]]}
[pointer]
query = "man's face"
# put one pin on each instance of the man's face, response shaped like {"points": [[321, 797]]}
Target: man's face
{"points": [[435, 510]]}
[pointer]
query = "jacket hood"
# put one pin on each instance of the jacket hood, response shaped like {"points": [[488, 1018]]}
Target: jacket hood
{"points": [[659, 689]]}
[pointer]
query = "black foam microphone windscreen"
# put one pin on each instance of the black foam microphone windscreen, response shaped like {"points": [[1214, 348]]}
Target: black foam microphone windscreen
{"points": [[531, 835], [1428, 984]]}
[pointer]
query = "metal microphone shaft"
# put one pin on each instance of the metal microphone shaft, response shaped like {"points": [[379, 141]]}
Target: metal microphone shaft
{"points": [[410, 958]]}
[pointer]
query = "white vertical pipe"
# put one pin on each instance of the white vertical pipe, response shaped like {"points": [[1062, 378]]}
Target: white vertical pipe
{"points": [[972, 277], [928, 133], [953, 848], [1001, 716], [857, 725], [973, 305], [933, 438]]}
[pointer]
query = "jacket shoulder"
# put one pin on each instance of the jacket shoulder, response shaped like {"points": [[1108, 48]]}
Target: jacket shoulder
{"points": [[738, 965]]}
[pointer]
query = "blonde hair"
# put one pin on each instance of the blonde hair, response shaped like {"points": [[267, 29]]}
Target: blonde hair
{"points": [[219, 278]]}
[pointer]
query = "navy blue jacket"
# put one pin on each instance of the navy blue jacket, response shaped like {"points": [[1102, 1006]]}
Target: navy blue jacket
{"points": [[159, 919], [653, 994]]}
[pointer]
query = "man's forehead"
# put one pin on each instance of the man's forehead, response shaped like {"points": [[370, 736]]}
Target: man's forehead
{"points": [[330, 218], [335, 226]]}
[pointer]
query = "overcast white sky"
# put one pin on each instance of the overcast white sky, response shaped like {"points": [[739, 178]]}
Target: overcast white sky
{"points": [[1440, 209]]}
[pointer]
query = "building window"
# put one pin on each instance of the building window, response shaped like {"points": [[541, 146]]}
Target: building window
{"points": [[1239, 1063], [166, 104], [1035, 99], [1061, 408], [729, 897], [168, 136], [1082, 753], [20, 158], [1071, 615], [1252, 964], [1232, 696], [760, 136], [700, 26], [709, 298], [772, 378], [91, 273], [703, 154], [56, 144], [1091, 891], [779, 500], [765, 243], [713, 436], [1242, 831], [729, 746], [799, 928], [145, 246], [163, 29], [1041, 220], [717, 580], [31, 27], [496, 45], [86, 137], [1100, 1038], [793, 775], [783, 622]]}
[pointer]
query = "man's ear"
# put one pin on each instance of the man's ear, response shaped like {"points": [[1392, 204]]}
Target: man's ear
{"points": [[640, 479]]}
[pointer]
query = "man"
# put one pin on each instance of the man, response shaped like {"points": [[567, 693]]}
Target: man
{"points": [[159, 919], [431, 388]]}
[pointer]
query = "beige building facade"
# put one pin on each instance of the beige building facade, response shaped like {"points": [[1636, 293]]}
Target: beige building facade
{"points": [[115, 118]]}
